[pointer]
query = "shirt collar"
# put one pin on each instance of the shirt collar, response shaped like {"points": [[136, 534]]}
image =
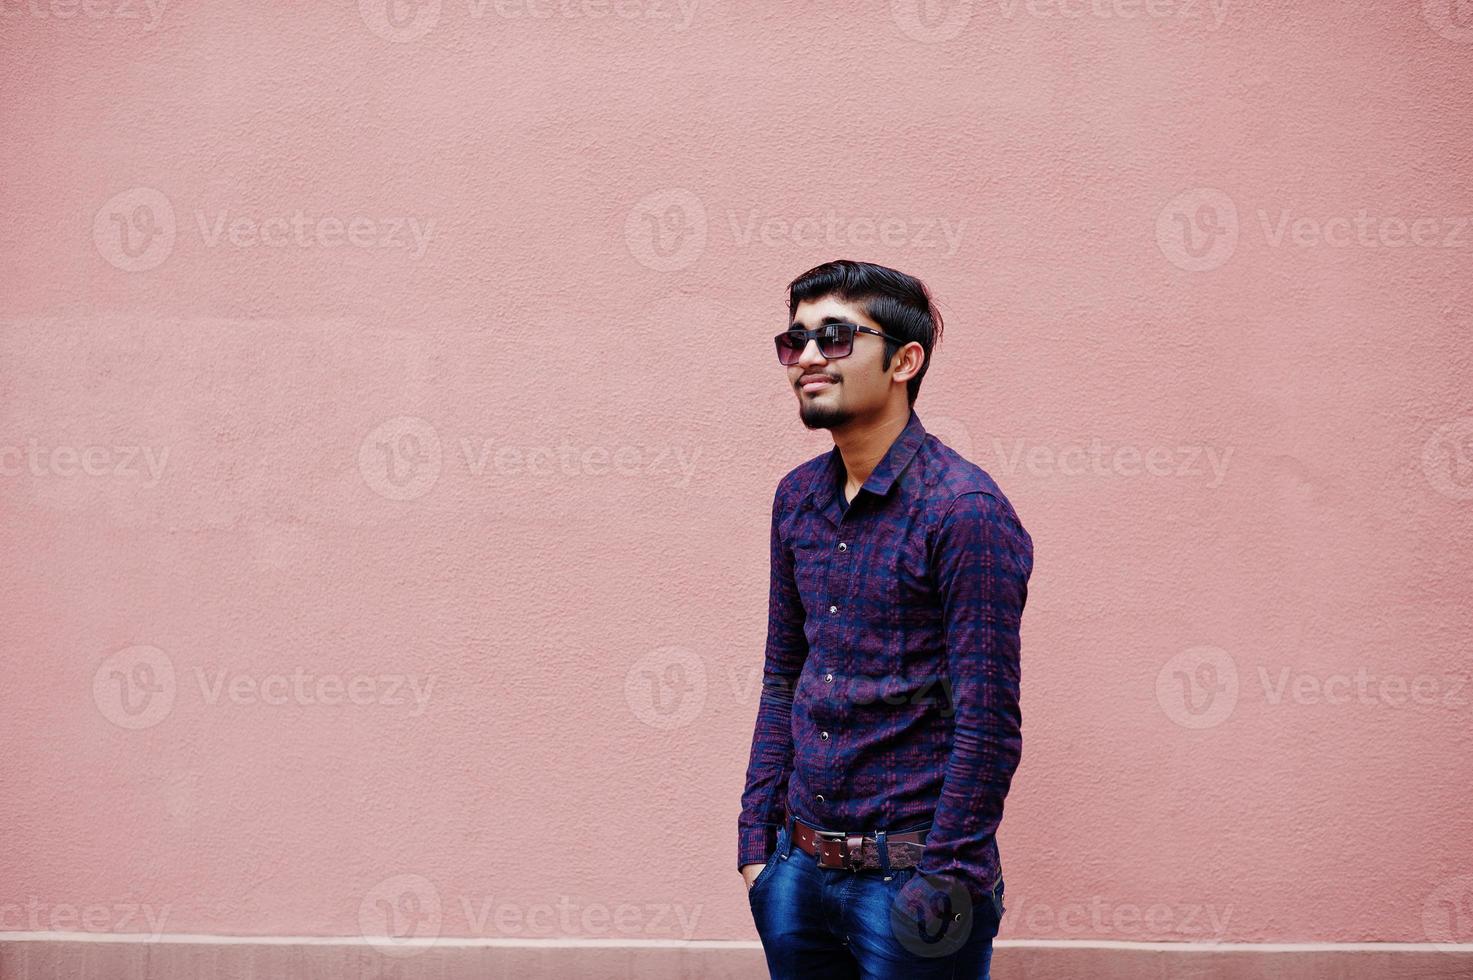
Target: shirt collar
{"points": [[825, 491]]}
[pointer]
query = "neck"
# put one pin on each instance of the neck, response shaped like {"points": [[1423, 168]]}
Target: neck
{"points": [[863, 443]]}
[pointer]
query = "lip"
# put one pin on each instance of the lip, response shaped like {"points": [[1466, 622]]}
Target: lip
{"points": [[816, 384]]}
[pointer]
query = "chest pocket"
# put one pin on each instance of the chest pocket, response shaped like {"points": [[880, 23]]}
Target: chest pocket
{"points": [[811, 573], [850, 591], [915, 584]]}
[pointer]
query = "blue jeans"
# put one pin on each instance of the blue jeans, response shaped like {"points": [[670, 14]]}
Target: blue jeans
{"points": [[830, 923]]}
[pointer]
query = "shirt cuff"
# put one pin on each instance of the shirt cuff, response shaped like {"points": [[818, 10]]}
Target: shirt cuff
{"points": [[755, 844]]}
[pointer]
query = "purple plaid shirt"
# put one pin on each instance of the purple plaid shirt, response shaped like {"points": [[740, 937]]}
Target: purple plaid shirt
{"points": [[890, 685]]}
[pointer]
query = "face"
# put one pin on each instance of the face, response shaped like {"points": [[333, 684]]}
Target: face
{"points": [[831, 393]]}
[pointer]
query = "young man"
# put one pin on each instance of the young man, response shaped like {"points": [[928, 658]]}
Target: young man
{"points": [[888, 729]]}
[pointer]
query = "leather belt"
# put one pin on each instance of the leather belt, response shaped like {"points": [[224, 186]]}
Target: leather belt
{"points": [[858, 852]]}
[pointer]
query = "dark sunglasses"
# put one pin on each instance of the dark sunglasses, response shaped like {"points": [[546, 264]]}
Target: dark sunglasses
{"points": [[834, 340]]}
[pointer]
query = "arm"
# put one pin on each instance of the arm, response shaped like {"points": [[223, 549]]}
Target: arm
{"points": [[764, 799], [983, 558]]}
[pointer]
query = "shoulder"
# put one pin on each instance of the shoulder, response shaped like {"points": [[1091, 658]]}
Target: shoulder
{"points": [[955, 484], [963, 496]]}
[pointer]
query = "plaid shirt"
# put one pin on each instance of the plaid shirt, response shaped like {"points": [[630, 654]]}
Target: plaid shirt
{"points": [[890, 686]]}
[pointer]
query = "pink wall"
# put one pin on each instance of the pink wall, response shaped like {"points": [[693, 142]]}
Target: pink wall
{"points": [[427, 360]]}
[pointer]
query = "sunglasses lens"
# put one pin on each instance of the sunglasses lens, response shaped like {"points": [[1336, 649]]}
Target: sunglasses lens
{"points": [[836, 340], [789, 347]]}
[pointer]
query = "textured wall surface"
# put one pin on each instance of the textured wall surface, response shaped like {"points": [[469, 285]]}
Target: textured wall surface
{"points": [[389, 420]]}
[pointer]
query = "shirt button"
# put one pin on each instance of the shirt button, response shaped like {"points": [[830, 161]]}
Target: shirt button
{"points": [[828, 678], [824, 736], [819, 797], [833, 609], [843, 546]]}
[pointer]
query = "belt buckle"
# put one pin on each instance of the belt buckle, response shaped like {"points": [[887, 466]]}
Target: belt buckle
{"points": [[851, 846], [839, 837]]}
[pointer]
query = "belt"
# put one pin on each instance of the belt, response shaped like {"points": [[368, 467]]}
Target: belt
{"points": [[858, 852]]}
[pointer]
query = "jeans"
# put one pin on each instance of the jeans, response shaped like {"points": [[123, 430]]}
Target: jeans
{"points": [[831, 922]]}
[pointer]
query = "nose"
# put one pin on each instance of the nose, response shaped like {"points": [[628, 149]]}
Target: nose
{"points": [[811, 357]]}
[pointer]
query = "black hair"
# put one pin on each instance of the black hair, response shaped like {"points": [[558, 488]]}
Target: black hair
{"points": [[899, 303]]}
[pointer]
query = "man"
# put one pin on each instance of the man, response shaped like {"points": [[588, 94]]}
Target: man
{"points": [[888, 729]]}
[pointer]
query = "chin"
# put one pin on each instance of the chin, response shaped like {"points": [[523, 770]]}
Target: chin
{"points": [[820, 415]]}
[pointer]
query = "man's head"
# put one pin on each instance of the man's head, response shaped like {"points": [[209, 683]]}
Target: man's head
{"points": [[880, 374]]}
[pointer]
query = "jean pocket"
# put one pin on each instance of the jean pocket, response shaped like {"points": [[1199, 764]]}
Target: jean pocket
{"points": [[773, 860], [994, 909]]}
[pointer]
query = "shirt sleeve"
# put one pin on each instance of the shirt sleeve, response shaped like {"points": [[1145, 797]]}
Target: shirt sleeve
{"points": [[764, 799], [983, 558]]}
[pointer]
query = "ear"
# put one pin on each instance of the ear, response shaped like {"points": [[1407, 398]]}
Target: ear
{"points": [[907, 361]]}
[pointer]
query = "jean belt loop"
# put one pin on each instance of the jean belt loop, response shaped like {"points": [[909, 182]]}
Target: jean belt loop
{"points": [[884, 849], [786, 844]]}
